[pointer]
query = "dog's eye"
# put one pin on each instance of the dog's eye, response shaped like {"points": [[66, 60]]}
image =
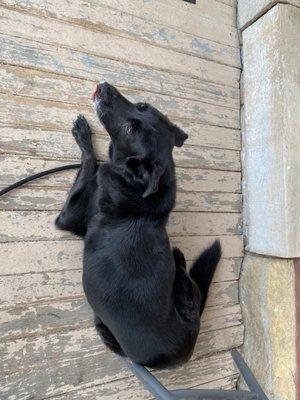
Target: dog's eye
{"points": [[142, 106], [132, 126]]}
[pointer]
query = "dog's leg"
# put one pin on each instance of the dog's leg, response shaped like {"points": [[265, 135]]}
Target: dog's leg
{"points": [[107, 337], [76, 211]]}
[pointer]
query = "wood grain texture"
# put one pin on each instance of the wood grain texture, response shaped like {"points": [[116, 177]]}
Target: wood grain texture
{"points": [[103, 45], [131, 389], [38, 84], [62, 315], [15, 168], [118, 23], [183, 19], [231, 3], [67, 62], [77, 359], [67, 255], [57, 144], [47, 286], [185, 61], [32, 112], [39, 225], [213, 10], [42, 199], [62, 145]]}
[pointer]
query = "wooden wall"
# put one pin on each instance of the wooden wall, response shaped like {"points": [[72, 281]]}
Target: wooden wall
{"points": [[185, 60]]}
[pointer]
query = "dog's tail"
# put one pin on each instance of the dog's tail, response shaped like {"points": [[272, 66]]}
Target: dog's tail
{"points": [[203, 269]]}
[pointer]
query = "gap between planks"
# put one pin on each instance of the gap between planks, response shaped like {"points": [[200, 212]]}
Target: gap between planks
{"points": [[199, 25], [190, 374], [226, 383], [232, 246], [180, 72], [178, 41], [36, 84], [45, 318], [29, 289], [188, 179], [116, 69], [62, 114], [180, 225]]}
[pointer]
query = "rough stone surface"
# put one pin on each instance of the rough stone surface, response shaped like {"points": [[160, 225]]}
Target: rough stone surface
{"points": [[271, 132], [268, 304], [250, 10]]}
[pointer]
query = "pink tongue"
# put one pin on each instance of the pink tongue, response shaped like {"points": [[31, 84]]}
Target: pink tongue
{"points": [[94, 92]]}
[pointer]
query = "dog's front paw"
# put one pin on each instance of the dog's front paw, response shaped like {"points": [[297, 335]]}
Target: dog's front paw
{"points": [[82, 133]]}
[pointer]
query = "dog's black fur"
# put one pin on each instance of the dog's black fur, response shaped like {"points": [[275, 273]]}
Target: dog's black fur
{"points": [[146, 305]]}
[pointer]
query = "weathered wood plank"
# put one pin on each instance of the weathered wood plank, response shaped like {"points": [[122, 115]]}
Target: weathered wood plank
{"points": [[220, 317], [85, 344], [73, 363], [33, 257], [188, 156], [46, 286], [118, 23], [133, 390], [60, 144], [28, 288], [66, 62], [191, 246], [57, 116], [203, 157], [33, 83], [183, 20], [193, 224], [190, 22], [15, 168], [231, 3], [42, 199], [215, 202], [72, 358], [39, 225], [213, 10], [128, 51], [44, 318]]}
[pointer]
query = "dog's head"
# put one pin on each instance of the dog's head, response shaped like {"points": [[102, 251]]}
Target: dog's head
{"points": [[142, 137]]}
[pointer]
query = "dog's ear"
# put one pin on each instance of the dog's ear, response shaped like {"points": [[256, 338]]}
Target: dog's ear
{"points": [[154, 171], [180, 136], [145, 172]]}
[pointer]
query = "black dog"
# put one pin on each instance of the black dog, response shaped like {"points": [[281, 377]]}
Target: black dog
{"points": [[147, 307]]}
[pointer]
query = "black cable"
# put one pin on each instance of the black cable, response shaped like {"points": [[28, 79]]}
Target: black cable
{"points": [[36, 176]]}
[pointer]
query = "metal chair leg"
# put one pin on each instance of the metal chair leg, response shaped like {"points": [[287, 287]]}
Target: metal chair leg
{"points": [[248, 376], [150, 382], [161, 393], [202, 394]]}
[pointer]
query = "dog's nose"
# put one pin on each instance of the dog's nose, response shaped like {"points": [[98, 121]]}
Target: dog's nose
{"points": [[95, 91], [101, 90]]}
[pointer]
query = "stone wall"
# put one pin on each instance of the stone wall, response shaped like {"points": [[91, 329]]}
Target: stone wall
{"points": [[270, 34]]}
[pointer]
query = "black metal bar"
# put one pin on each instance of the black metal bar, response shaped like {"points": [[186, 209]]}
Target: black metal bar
{"points": [[248, 375], [150, 382], [161, 393], [203, 394]]}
